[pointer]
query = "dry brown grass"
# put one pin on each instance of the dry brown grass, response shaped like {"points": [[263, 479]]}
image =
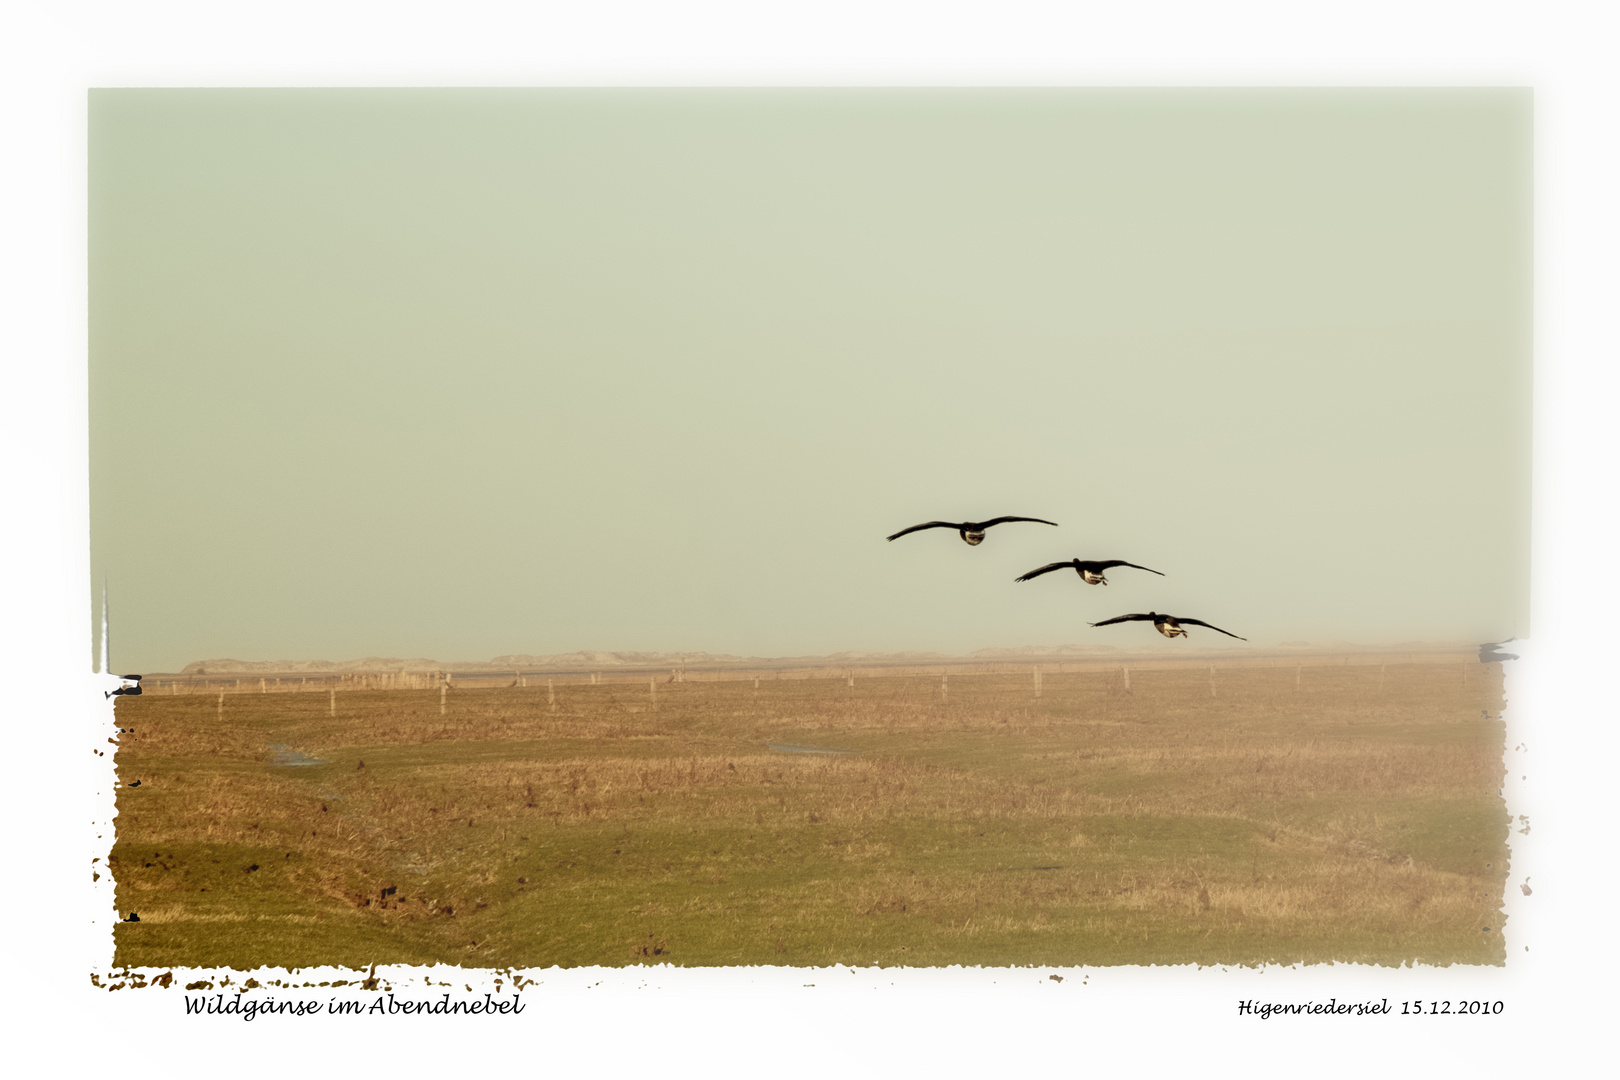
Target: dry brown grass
{"points": [[1091, 825]]}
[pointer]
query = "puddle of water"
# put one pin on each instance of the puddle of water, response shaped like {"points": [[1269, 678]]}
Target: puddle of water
{"points": [[286, 755], [786, 749]]}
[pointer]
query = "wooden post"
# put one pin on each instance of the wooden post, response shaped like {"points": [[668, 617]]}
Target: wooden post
{"points": [[1125, 672], [222, 704], [444, 690], [756, 684], [944, 694], [551, 695], [652, 690], [851, 673], [331, 702]]}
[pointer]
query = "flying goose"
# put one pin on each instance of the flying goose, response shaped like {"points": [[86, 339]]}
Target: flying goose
{"points": [[1168, 625], [972, 531], [1090, 572]]}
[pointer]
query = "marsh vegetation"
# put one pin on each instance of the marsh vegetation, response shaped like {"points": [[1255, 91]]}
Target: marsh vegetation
{"points": [[1222, 817]]}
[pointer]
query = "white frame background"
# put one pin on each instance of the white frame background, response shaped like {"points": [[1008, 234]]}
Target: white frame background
{"points": [[638, 1020]]}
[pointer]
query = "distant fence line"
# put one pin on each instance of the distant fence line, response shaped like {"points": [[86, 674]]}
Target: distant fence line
{"points": [[432, 680]]}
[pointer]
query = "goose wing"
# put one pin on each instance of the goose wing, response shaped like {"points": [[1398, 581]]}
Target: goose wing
{"points": [[1126, 618], [1109, 564], [928, 525], [1001, 520], [1201, 622], [1047, 569]]}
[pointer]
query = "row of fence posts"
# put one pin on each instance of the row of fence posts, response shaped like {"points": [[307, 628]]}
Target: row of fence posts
{"points": [[1125, 678], [678, 675]]}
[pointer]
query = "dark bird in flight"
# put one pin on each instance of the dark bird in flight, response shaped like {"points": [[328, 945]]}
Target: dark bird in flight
{"points": [[127, 688], [1090, 572], [972, 531], [1168, 625]]}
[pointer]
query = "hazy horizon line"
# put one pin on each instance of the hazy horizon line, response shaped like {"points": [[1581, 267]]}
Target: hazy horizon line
{"points": [[631, 658]]}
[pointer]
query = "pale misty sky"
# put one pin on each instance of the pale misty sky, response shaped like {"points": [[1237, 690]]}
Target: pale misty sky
{"points": [[456, 374]]}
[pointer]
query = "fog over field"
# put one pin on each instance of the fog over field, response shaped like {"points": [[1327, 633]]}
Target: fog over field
{"points": [[474, 374]]}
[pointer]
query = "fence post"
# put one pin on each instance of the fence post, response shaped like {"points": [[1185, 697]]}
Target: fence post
{"points": [[444, 690], [652, 690], [551, 695], [222, 704], [1126, 673]]}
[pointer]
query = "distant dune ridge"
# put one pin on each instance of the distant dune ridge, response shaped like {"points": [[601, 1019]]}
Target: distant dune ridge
{"points": [[592, 660], [588, 659]]}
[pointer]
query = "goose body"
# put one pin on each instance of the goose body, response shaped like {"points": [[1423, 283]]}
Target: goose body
{"points": [[1090, 572], [971, 531], [1171, 626]]}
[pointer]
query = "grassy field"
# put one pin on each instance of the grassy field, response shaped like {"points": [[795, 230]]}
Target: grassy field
{"points": [[1343, 820]]}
